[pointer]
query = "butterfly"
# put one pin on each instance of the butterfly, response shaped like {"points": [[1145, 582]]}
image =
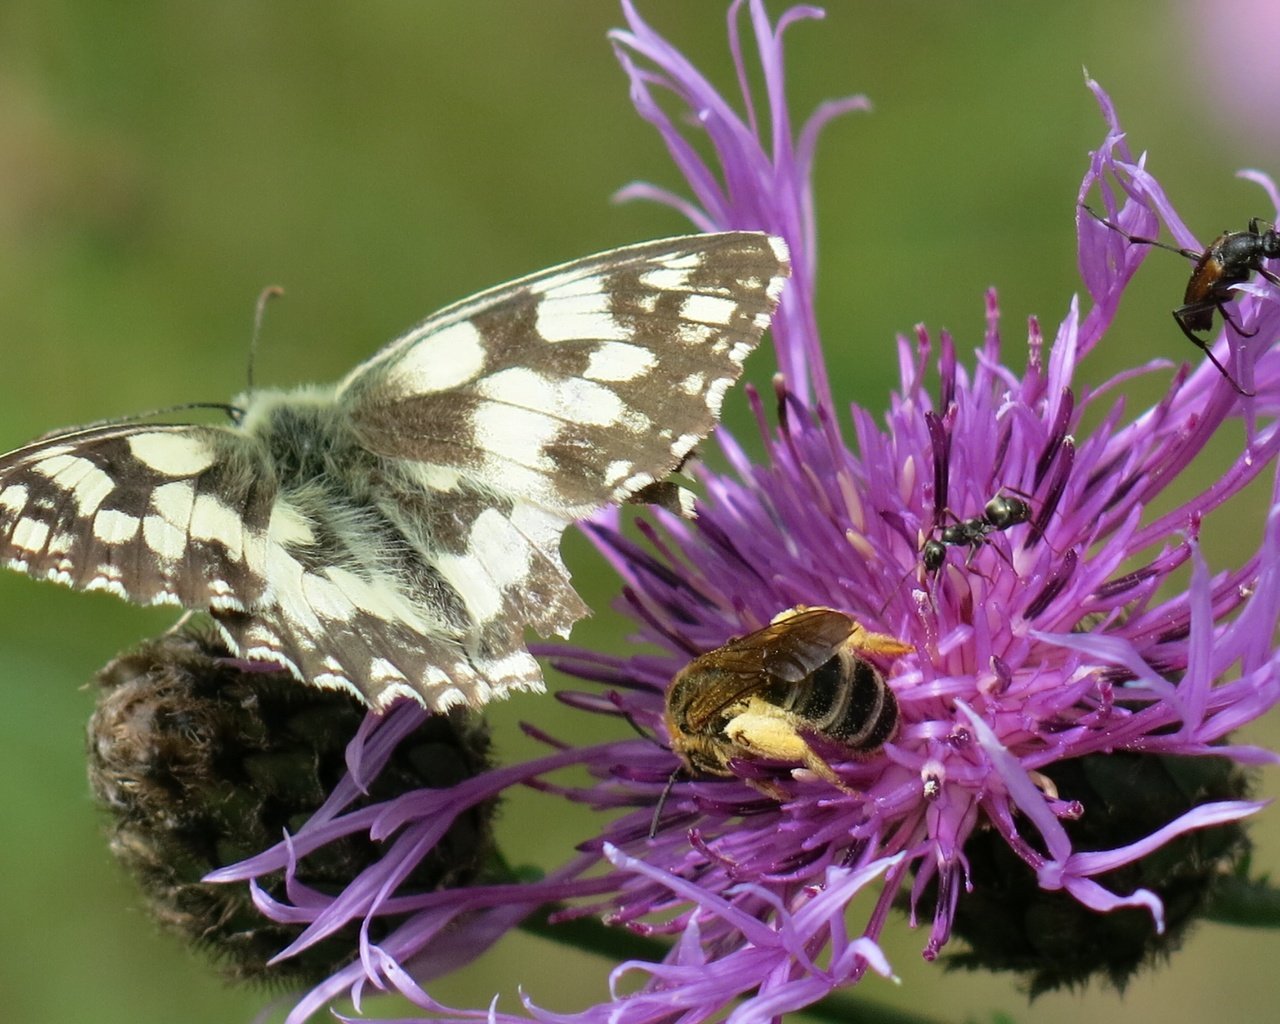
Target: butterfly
{"points": [[392, 535]]}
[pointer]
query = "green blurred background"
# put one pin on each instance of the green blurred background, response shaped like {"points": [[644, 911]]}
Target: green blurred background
{"points": [[161, 163]]}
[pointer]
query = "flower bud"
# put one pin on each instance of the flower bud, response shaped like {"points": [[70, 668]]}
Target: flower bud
{"points": [[1011, 924], [202, 762]]}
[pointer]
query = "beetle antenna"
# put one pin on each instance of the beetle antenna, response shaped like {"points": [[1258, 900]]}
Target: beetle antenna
{"points": [[1190, 254]]}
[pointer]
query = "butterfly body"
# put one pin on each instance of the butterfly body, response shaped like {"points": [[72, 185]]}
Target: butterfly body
{"points": [[395, 533]]}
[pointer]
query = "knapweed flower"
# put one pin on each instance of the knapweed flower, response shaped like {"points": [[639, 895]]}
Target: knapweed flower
{"points": [[997, 521]]}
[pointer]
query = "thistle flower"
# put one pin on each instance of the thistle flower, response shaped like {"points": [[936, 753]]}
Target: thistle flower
{"points": [[1082, 633]]}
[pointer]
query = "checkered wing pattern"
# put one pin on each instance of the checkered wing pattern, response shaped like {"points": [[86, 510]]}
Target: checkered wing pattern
{"points": [[394, 535]]}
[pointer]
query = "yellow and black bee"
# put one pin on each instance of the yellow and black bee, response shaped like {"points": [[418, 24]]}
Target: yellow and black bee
{"points": [[766, 695]]}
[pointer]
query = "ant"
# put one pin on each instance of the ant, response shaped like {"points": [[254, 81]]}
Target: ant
{"points": [[1000, 513], [1230, 259]]}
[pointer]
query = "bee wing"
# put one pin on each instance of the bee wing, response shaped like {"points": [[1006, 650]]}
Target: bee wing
{"points": [[786, 651]]}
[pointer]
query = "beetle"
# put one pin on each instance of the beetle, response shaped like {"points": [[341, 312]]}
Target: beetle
{"points": [[1230, 259]]}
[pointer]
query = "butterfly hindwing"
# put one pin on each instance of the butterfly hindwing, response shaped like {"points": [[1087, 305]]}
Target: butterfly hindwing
{"points": [[395, 534]]}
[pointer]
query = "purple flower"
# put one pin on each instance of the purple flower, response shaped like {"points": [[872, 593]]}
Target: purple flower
{"points": [[1089, 626]]}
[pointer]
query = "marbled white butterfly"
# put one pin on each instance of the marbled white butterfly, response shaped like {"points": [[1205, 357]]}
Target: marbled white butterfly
{"points": [[394, 534]]}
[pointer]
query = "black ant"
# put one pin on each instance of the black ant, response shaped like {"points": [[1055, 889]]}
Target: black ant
{"points": [[1230, 259], [1000, 513]]}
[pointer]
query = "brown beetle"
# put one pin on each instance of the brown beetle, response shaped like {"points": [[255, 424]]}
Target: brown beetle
{"points": [[1230, 259]]}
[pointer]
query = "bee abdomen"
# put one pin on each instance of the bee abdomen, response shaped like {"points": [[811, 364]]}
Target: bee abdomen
{"points": [[848, 702]]}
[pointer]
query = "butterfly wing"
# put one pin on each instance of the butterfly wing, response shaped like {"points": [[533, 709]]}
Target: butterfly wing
{"points": [[154, 514], [410, 563], [577, 386], [553, 396], [194, 516]]}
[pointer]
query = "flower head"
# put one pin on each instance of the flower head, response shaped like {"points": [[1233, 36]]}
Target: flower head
{"points": [[999, 522]]}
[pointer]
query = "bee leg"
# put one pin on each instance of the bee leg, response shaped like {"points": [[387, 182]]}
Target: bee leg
{"points": [[764, 730], [768, 732], [1045, 784], [877, 643], [770, 789], [824, 771]]}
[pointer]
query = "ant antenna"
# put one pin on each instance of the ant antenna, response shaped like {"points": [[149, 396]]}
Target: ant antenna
{"points": [[272, 291]]}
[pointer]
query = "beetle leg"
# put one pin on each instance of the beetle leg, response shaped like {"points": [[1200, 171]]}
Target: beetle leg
{"points": [[1192, 308], [1264, 272], [1235, 326]]}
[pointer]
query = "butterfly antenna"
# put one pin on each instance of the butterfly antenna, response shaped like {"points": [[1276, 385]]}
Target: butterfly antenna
{"points": [[232, 411], [268, 293]]}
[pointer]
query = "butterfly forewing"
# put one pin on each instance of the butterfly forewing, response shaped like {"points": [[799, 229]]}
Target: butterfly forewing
{"points": [[579, 385], [156, 515], [396, 534]]}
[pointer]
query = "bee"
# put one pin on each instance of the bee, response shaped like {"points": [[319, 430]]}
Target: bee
{"points": [[1230, 259], [1000, 513], [789, 692]]}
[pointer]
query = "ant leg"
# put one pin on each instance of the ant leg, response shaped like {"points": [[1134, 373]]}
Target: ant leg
{"points": [[978, 545], [1179, 315], [940, 515]]}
